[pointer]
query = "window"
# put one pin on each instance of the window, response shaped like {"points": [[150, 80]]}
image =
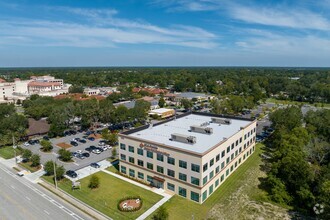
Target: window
{"points": [[182, 177], [222, 177], [123, 157], [236, 152], [244, 145], [131, 149], [171, 160], [217, 169], [217, 183], [122, 146], [223, 154], [240, 150], [140, 175], [150, 166], [231, 168], [150, 154], [228, 149], [204, 195], [182, 192], [195, 167], [140, 163], [244, 136], [160, 157], [244, 157], [205, 167], [217, 158], [160, 169], [227, 172], [183, 164], [222, 165], [131, 173], [131, 159], [195, 181], [239, 161], [149, 179], [194, 196], [240, 140], [211, 162], [204, 180], [232, 156], [235, 164], [123, 169], [170, 172], [227, 161], [232, 146], [170, 186], [236, 143], [211, 190], [211, 174], [140, 151]]}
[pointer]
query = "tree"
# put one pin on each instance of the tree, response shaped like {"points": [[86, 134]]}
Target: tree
{"points": [[49, 168], [26, 155], [186, 103], [59, 172], [46, 145], [76, 89], [161, 102], [64, 155], [161, 214], [114, 152], [35, 160], [94, 182]]}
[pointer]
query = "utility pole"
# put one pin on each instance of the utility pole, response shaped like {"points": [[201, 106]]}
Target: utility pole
{"points": [[55, 175], [14, 147]]}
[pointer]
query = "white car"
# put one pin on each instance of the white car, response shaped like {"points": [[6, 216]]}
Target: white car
{"points": [[96, 151], [26, 144], [79, 151], [104, 148]]}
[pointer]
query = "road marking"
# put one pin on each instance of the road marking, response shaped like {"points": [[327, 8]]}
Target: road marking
{"points": [[46, 212], [76, 164], [27, 198], [12, 187]]}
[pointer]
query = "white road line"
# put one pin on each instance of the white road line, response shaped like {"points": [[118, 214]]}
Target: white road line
{"points": [[12, 187], [27, 198], [76, 164], [46, 212]]}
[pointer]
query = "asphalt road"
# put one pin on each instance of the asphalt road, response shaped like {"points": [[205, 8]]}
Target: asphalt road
{"points": [[21, 200]]}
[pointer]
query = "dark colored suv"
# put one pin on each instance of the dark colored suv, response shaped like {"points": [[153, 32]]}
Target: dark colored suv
{"points": [[71, 174]]}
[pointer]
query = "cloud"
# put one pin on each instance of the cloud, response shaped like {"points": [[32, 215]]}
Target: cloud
{"points": [[104, 29]]}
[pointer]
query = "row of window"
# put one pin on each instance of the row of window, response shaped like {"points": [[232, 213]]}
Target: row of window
{"points": [[229, 148], [160, 169]]}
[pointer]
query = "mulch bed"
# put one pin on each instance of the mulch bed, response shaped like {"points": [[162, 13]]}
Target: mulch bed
{"points": [[130, 202], [96, 136], [64, 145]]}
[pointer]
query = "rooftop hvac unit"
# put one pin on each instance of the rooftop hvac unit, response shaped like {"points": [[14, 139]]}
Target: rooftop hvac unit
{"points": [[224, 121], [183, 138], [199, 129]]}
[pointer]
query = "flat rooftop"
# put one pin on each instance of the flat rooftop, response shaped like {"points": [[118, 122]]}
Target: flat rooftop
{"points": [[161, 133]]}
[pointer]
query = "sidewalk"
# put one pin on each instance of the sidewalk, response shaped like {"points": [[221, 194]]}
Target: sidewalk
{"points": [[166, 196]]}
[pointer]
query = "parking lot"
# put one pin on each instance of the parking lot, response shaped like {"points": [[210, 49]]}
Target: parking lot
{"points": [[77, 163]]}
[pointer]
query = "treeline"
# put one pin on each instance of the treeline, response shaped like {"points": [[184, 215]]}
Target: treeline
{"points": [[299, 173], [311, 85], [11, 124], [62, 113]]}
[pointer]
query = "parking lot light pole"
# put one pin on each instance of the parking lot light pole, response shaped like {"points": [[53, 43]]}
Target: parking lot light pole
{"points": [[55, 175], [14, 147]]}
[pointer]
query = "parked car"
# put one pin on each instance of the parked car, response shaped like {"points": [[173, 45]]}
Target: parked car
{"points": [[45, 138], [73, 143], [86, 154], [104, 148], [80, 156], [91, 138], [71, 174], [26, 144], [67, 133], [96, 151], [82, 141], [76, 139], [79, 151], [74, 154], [73, 132], [95, 165]]}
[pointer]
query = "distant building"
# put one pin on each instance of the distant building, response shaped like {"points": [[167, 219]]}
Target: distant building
{"points": [[162, 112], [79, 96], [91, 91], [154, 91]]}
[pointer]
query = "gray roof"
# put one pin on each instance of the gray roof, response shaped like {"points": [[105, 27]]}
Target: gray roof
{"points": [[162, 133], [190, 95]]}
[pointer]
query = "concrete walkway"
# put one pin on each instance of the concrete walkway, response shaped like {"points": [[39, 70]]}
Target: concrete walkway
{"points": [[166, 196]]}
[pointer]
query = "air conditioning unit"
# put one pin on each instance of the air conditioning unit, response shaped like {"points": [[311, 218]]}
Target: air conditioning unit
{"points": [[183, 138], [223, 121], [199, 129]]}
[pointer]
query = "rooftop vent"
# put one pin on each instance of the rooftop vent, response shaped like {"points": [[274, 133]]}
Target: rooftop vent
{"points": [[200, 129], [221, 121], [183, 138]]}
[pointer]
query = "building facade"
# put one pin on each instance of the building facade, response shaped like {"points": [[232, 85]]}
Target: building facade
{"points": [[191, 155]]}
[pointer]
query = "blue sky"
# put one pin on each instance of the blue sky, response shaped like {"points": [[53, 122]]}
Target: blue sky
{"points": [[164, 33]]}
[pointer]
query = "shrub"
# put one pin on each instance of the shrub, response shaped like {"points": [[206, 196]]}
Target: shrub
{"points": [[35, 160], [46, 145], [161, 214], [26, 155], [64, 155], [94, 182]]}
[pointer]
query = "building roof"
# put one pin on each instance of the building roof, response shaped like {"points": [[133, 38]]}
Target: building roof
{"points": [[37, 127], [44, 84], [161, 133], [155, 91], [161, 111], [191, 95]]}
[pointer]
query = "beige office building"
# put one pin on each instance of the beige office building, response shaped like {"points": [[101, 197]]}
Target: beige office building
{"points": [[191, 155]]}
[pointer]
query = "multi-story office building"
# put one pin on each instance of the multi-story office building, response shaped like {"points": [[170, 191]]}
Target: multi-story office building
{"points": [[191, 155]]}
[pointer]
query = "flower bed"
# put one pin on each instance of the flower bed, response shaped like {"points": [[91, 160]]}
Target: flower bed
{"points": [[130, 204]]}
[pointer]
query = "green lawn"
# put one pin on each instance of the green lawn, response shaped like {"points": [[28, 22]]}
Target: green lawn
{"points": [[288, 102], [181, 208], [106, 197], [7, 152], [27, 166]]}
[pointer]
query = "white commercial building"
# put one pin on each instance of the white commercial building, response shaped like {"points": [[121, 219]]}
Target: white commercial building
{"points": [[191, 155]]}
